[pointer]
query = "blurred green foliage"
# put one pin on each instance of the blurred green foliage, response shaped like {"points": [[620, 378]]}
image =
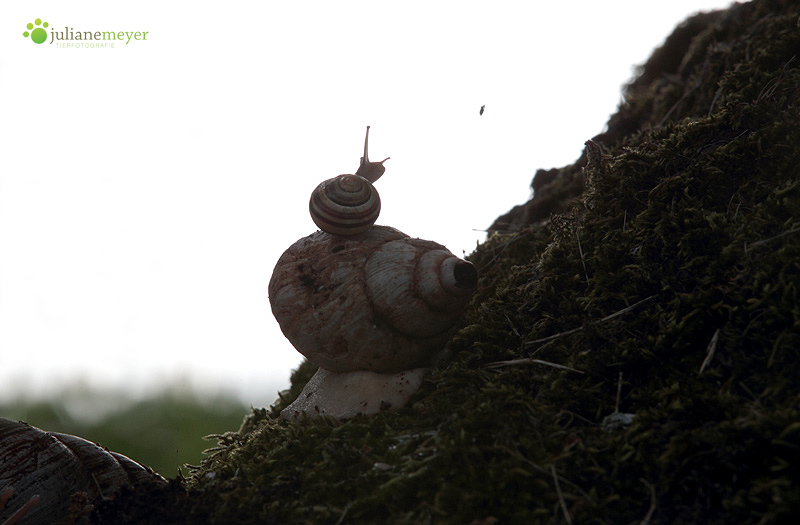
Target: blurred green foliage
{"points": [[163, 432]]}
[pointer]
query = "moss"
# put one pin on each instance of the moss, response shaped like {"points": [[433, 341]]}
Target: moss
{"points": [[665, 294]]}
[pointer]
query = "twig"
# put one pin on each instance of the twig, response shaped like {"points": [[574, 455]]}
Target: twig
{"points": [[619, 392], [712, 347], [527, 360], [765, 241], [770, 87], [652, 509], [497, 251], [560, 495], [688, 91], [714, 101], [554, 336], [344, 512], [518, 455], [580, 250], [513, 328], [576, 330], [624, 310]]}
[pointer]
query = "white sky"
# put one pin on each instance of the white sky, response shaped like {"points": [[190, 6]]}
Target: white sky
{"points": [[146, 191]]}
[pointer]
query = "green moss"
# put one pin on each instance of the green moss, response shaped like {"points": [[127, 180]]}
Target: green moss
{"points": [[682, 254]]}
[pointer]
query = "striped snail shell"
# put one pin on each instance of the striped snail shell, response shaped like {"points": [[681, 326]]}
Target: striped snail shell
{"points": [[348, 204], [345, 205], [40, 472]]}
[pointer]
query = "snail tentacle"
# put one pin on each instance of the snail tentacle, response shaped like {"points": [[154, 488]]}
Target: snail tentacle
{"points": [[371, 171]]}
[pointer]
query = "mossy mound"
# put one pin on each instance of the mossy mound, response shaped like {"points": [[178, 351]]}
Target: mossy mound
{"points": [[635, 358]]}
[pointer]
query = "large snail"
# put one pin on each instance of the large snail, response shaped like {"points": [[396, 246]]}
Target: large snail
{"points": [[47, 477], [372, 307]]}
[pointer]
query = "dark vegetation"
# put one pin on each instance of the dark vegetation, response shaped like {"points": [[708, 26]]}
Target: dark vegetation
{"points": [[163, 432], [631, 355]]}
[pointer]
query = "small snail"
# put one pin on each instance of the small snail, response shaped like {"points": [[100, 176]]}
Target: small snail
{"points": [[42, 472], [372, 307], [348, 204]]}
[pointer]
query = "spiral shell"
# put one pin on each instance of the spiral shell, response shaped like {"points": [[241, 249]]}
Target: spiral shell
{"points": [[382, 302], [345, 205], [53, 467]]}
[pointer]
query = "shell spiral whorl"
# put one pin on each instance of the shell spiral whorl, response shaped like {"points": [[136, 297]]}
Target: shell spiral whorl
{"points": [[345, 205]]}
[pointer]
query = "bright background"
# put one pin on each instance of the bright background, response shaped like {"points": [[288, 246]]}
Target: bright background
{"points": [[147, 191]]}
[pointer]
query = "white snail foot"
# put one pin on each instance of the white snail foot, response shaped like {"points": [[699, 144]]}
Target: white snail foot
{"points": [[347, 394]]}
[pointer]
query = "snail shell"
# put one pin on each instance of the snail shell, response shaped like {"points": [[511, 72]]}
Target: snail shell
{"points": [[345, 205], [379, 301], [55, 466]]}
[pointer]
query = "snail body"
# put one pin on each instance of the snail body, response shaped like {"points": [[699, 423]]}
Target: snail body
{"points": [[46, 469]]}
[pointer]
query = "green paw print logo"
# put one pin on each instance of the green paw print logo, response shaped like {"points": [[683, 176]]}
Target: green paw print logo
{"points": [[38, 35]]}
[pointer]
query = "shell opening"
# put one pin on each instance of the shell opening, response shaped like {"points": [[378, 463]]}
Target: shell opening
{"points": [[443, 280], [458, 276], [465, 275]]}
